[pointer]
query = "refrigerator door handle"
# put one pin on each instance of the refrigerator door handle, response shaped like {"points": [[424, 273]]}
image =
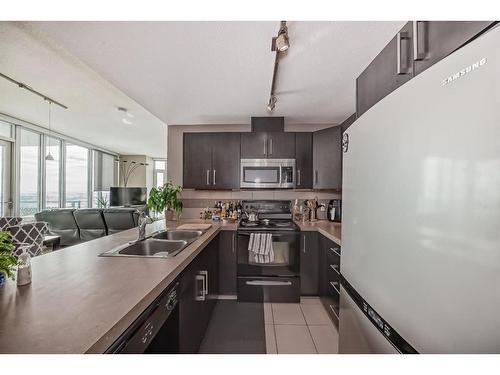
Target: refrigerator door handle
{"points": [[417, 53]]}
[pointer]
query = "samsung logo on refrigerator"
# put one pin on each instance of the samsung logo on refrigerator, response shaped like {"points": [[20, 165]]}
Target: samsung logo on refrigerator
{"points": [[464, 71]]}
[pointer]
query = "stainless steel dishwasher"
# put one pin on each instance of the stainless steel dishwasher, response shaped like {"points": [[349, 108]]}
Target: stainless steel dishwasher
{"points": [[156, 331]]}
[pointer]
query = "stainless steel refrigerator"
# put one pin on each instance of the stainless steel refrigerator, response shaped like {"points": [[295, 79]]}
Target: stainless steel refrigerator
{"points": [[421, 213]]}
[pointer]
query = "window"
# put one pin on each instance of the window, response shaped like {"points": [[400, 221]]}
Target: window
{"points": [[52, 172], [104, 176], [160, 172], [29, 171], [77, 176]]}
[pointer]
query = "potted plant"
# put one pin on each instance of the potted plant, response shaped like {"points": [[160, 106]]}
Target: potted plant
{"points": [[8, 262], [166, 199]]}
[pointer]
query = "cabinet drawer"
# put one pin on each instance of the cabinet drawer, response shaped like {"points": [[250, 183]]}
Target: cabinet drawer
{"points": [[333, 288], [331, 305], [332, 272], [333, 255], [268, 289]]}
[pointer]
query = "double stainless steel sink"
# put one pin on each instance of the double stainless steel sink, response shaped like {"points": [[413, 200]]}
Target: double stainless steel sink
{"points": [[164, 244]]}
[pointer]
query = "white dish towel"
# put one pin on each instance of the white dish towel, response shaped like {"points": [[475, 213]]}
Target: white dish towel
{"points": [[260, 247]]}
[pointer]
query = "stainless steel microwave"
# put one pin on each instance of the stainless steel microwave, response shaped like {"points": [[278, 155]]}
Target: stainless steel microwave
{"points": [[267, 173]]}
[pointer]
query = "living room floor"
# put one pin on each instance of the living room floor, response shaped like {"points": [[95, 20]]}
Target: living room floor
{"points": [[299, 328]]}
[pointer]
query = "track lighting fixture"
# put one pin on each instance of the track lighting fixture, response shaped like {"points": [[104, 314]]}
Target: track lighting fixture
{"points": [[280, 44], [49, 156]]}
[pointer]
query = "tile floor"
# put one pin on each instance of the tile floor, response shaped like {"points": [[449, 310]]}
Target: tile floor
{"points": [[305, 328]]}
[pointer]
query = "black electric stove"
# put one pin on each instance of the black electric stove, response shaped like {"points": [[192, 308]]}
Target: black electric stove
{"points": [[277, 279]]}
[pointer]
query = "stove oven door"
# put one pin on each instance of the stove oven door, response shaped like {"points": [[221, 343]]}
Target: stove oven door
{"points": [[285, 262]]}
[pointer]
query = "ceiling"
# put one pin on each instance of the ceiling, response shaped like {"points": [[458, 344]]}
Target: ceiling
{"points": [[187, 73], [92, 114]]}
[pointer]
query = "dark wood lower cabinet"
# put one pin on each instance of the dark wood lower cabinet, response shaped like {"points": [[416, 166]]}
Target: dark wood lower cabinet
{"points": [[199, 292], [320, 271], [309, 264], [227, 263], [330, 277]]}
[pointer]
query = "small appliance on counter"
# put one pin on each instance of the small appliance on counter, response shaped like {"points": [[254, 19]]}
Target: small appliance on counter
{"points": [[334, 211], [322, 212]]}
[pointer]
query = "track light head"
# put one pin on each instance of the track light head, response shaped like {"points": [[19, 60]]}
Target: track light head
{"points": [[272, 103], [281, 43]]}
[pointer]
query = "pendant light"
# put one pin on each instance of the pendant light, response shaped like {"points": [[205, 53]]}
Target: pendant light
{"points": [[49, 156]]}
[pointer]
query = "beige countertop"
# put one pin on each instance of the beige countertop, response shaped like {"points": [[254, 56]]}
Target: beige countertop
{"points": [[79, 302], [327, 228]]}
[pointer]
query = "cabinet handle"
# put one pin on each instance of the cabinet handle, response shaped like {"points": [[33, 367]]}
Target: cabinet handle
{"points": [[335, 284], [205, 284], [265, 147], [335, 268], [417, 54], [315, 177], [304, 243], [214, 177], [399, 40], [234, 242], [270, 146], [299, 179], [333, 310], [208, 177], [199, 296], [335, 250], [268, 283]]}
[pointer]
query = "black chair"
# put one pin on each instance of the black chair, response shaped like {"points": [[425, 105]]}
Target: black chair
{"points": [[118, 219], [91, 223], [61, 223], [9, 221]]}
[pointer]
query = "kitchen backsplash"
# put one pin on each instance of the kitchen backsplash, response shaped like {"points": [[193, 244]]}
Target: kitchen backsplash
{"points": [[196, 200]]}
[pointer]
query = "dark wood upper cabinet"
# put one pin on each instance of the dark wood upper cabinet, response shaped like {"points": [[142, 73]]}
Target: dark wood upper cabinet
{"points": [[211, 160], [392, 67], [272, 145], [418, 45], [434, 40], [304, 160], [254, 145], [348, 122], [197, 169], [225, 160], [268, 124], [327, 158], [280, 145]]}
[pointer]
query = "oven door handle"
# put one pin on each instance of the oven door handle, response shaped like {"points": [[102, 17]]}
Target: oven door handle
{"points": [[268, 283]]}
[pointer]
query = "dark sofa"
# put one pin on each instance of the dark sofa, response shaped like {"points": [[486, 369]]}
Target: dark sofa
{"points": [[80, 225]]}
